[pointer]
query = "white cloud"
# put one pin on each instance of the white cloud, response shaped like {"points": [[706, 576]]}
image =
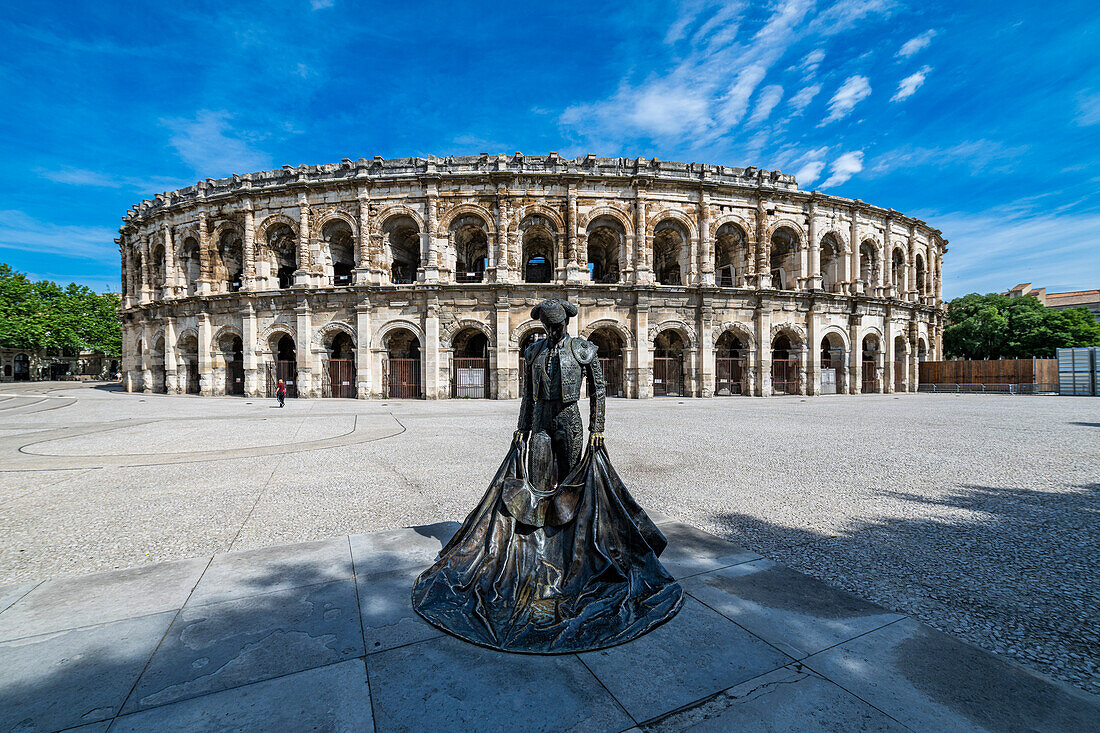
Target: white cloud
{"points": [[975, 155], [843, 168], [853, 91], [95, 179], [915, 44], [211, 147], [844, 14], [22, 232], [910, 84], [769, 97], [804, 96], [812, 61], [1088, 109], [321, 4], [809, 173]]}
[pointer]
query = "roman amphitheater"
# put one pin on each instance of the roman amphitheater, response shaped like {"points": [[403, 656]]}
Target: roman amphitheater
{"points": [[415, 277]]}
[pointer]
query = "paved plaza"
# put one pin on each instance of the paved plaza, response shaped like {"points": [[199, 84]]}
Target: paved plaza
{"points": [[234, 594]]}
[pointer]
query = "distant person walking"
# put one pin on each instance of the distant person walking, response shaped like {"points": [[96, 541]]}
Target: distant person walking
{"points": [[280, 392]]}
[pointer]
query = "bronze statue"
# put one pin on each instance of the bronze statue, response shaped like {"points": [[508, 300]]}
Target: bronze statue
{"points": [[557, 557]]}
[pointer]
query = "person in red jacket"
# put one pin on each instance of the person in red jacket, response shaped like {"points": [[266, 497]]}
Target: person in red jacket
{"points": [[280, 392]]}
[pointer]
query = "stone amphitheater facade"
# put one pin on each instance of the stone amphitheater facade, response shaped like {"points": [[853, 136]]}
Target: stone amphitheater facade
{"points": [[415, 277]]}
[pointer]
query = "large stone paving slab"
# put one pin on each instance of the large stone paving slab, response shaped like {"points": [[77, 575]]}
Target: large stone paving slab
{"points": [[385, 605], [444, 685], [68, 678], [794, 612], [9, 594], [690, 551], [219, 646], [68, 603], [411, 548], [697, 653], [251, 572], [788, 700], [333, 698], [929, 681]]}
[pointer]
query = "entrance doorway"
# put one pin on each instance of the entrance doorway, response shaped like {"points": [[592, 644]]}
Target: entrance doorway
{"points": [[668, 365], [401, 369], [470, 364]]}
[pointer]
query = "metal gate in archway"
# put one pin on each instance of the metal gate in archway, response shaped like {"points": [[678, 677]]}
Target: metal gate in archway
{"points": [[869, 377], [22, 368], [612, 368], [339, 378], [402, 378], [785, 376], [286, 371], [234, 377], [192, 377], [729, 374], [470, 377], [668, 376]]}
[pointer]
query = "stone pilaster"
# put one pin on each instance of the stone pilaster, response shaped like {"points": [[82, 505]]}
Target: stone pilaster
{"points": [[304, 326], [363, 350], [303, 276], [815, 278], [433, 389], [252, 380], [171, 360], [763, 256], [206, 357]]}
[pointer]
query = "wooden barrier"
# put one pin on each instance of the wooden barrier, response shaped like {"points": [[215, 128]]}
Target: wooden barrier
{"points": [[995, 371]]}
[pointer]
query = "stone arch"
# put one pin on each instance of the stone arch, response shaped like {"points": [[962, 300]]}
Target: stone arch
{"points": [[183, 233], [230, 224], [384, 330], [682, 327], [520, 332], [230, 329], [675, 215], [466, 209], [871, 331], [272, 220], [449, 332], [794, 226], [610, 323], [610, 212], [185, 334], [276, 328], [542, 210], [839, 333], [796, 333], [731, 218], [838, 237], [336, 213], [379, 220], [741, 330], [332, 327]]}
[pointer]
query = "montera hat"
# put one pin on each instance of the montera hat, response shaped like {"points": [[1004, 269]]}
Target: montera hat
{"points": [[554, 310]]}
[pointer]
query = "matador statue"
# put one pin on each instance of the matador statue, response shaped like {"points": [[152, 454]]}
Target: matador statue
{"points": [[557, 557]]}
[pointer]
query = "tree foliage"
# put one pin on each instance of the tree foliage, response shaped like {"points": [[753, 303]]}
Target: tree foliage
{"points": [[996, 326], [47, 315]]}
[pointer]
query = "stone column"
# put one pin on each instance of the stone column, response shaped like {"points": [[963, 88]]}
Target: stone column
{"points": [[432, 388], [763, 256], [815, 278], [763, 352], [363, 259], [803, 386], [880, 370], [303, 275], [939, 282], [171, 376], [146, 358], [914, 360], [429, 271], [643, 273], [304, 327], [813, 343], [206, 358], [706, 350], [855, 357], [248, 344], [363, 361], [706, 242], [884, 263], [204, 285], [642, 353], [853, 235], [249, 248], [171, 264], [506, 372], [575, 273], [911, 268], [888, 354], [146, 280], [503, 271]]}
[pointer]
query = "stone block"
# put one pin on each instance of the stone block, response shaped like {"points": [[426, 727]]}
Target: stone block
{"points": [[385, 606], [224, 645], [794, 612], [691, 551], [409, 548]]}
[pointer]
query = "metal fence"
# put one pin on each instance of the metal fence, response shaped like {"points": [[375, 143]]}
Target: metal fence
{"points": [[338, 378], [470, 377], [402, 378], [1037, 388]]}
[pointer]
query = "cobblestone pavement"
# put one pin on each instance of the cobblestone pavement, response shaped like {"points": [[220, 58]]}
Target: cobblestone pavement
{"points": [[976, 514]]}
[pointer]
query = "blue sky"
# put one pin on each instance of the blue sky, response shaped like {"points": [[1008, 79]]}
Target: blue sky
{"points": [[981, 118]]}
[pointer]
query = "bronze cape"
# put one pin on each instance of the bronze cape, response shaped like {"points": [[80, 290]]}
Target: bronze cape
{"points": [[588, 579]]}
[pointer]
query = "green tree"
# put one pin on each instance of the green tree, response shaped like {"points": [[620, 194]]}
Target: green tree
{"points": [[21, 315], [994, 326]]}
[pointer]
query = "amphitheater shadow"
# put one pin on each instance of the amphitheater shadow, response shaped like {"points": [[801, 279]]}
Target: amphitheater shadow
{"points": [[1007, 569], [268, 634]]}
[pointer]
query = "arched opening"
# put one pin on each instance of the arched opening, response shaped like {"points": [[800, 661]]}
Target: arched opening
{"points": [[668, 364], [191, 264], [901, 363], [471, 246], [784, 250], [609, 346], [538, 253], [731, 256], [338, 373], [284, 364], [830, 251], [470, 364], [278, 258], [897, 272], [156, 366], [730, 354], [832, 363], [187, 365], [784, 365], [402, 237], [22, 368], [922, 350], [339, 249], [919, 263], [669, 251], [605, 241], [537, 333], [231, 355], [229, 266], [869, 362], [867, 264], [401, 374], [159, 273]]}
